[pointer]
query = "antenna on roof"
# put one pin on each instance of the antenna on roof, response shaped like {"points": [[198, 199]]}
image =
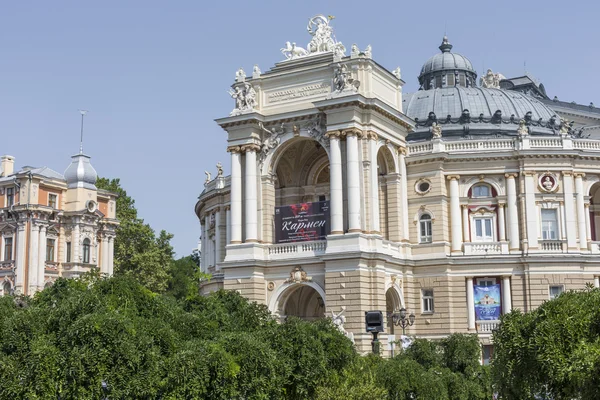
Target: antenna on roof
{"points": [[83, 113]]}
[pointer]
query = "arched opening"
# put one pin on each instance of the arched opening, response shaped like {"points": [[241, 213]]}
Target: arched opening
{"points": [[6, 288], [595, 211], [386, 184], [482, 213], [301, 301], [302, 171], [301, 176], [392, 304]]}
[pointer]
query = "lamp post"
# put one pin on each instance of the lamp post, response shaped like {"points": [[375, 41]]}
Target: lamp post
{"points": [[399, 318]]}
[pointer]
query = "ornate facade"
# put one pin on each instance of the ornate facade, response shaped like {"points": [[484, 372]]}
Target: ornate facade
{"points": [[433, 196], [53, 225]]}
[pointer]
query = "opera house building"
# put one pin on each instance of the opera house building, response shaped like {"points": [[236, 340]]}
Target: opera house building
{"points": [[459, 202]]}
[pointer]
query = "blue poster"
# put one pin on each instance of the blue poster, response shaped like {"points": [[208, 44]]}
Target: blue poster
{"points": [[487, 302]]}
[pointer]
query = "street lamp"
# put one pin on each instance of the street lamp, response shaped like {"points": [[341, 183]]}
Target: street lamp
{"points": [[399, 319]]}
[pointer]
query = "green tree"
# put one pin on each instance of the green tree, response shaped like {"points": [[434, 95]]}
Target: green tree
{"points": [[552, 351], [184, 275], [138, 252]]}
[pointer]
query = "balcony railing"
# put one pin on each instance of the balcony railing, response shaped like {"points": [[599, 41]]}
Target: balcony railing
{"points": [[6, 265], [525, 143], [301, 249], [553, 246], [484, 248], [486, 326]]}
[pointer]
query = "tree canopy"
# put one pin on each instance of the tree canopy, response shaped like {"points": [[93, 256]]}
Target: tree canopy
{"points": [[551, 352], [139, 253], [71, 337]]}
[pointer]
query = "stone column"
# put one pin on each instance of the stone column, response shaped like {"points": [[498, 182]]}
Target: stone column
{"points": [[336, 195], [34, 248], [531, 211], [111, 255], [588, 225], [42, 258], [104, 264], [581, 219], [202, 244], [501, 223], [465, 223], [76, 245], [20, 259], [570, 211], [506, 297], [251, 200], [403, 193], [217, 237], [512, 213], [353, 180], [227, 224], [455, 217], [207, 250], [470, 304], [235, 196], [374, 183]]}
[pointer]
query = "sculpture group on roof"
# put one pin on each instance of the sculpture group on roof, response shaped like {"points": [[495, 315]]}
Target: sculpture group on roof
{"points": [[322, 40]]}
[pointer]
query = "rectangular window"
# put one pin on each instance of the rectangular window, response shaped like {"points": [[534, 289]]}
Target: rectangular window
{"points": [[483, 230], [438, 82], [52, 200], [8, 248], [450, 78], [427, 300], [486, 354], [425, 229], [50, 250], [549, 225], [555, 291], [68, 251], [322, 198], [10, 197], [461, 80]]}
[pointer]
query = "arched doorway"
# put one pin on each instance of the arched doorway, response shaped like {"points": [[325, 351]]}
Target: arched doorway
{"points": [[595, 212], [301, 300], [392, 303]]}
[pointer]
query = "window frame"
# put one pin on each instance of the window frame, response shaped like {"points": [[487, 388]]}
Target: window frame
{"points": [[50, 250], [427, 301], [55, 196], [552, 297], [86, 250], [68, 249], [10, 203], [12, 242], [556, 221], [425, 220], [481, 185]]}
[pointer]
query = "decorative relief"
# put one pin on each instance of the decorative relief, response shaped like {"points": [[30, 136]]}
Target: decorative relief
{"points": [[491, 80], [271, 141], [298, 275], [423, 186], [270, 286], [343, 80], [245, 98], [298, 92], [548, 182]]}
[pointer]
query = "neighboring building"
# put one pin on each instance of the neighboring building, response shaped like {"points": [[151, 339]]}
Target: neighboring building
{"points": [[458, 202], [53, 225]]}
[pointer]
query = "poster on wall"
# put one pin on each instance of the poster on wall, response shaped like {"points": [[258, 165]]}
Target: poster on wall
{"points": [[302, 222], [487, 302]]}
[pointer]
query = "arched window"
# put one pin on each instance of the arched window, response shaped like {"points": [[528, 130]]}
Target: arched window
{"points": [[6, 289], [425, 228], [481, 190], [86, 251]]}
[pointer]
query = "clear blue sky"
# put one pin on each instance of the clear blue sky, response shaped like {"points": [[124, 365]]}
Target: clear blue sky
{"points": [[154, 74]]}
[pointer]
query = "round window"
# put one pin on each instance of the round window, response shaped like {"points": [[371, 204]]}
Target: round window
{"points": [[424, 186]]}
